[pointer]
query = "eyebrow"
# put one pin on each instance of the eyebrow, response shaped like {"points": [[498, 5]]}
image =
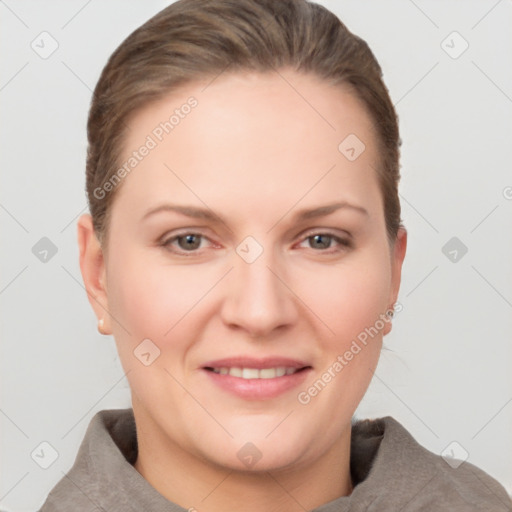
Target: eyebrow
{"points": [[207, 214]]}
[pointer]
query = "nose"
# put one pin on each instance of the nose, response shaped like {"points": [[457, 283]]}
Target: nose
{"points": [[258, 299]]}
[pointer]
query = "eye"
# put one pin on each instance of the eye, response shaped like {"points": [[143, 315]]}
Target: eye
{"points": [[186, 242], [189, 242], [322, 240]]}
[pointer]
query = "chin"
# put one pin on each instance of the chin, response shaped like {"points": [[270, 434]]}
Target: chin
{"points": [[259, 449], [250, 459]]}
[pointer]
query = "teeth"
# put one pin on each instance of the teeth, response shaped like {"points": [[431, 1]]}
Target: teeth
{"points": [[236, 372], [250, 373], [267, 373], [255, 373]]}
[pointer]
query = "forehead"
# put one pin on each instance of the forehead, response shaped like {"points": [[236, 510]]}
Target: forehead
{"points": [[258, 135]]}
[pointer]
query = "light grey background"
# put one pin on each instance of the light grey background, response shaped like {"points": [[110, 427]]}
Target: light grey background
{"points": [[447, 375]]}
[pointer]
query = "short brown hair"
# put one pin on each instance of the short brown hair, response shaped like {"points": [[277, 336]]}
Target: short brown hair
{"points": [[196, 39]]}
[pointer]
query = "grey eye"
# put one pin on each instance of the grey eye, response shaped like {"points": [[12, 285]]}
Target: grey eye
{"points": [[189, 242], [321, 241]]}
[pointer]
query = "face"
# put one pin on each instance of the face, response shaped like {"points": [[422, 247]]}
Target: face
{"points": [[268, 255]]}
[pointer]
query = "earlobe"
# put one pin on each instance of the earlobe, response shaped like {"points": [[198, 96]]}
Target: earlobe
{"points": [[92, 267]]}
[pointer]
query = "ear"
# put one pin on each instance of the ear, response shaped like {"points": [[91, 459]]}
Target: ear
{"points": [[92, 266], [397, 259]]}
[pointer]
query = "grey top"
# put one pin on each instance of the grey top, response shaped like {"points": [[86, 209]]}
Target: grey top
{"points": [[390, 472]]}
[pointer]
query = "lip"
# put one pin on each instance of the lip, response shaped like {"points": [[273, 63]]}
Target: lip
{"points": [[257, 389], [252, 362]]}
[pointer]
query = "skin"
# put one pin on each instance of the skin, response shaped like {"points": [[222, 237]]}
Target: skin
{"points": [[255, 152]]}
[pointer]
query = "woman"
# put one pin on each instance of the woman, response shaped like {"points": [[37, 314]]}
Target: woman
{"points": [[244, 235]]}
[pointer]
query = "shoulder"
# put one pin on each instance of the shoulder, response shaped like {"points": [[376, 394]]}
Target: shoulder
{"points": [[104, 458], [405, 473]]}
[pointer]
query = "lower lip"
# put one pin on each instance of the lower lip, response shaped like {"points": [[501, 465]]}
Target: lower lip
{"points": [[258, 389]]}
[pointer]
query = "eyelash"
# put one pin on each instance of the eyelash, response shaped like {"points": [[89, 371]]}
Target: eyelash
{"points": [[344, 243]]}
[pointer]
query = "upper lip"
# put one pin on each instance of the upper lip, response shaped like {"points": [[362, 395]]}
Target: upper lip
{"points": [[250, 362]]}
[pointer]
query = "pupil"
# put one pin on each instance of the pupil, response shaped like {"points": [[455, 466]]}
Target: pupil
{"points": [[189, 241], [323, 244]]}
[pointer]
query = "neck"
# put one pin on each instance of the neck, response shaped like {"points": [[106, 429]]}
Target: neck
{"points": [[201, 486]]}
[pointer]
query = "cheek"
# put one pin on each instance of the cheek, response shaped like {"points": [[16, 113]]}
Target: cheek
{"points": [[351, 302], [158, 301], [152, 301], [151, 297], [133, 298], [351, 297]]}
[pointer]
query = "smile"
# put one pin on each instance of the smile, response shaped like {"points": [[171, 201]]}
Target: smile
{"points": [[256, 373], [256, 379]]}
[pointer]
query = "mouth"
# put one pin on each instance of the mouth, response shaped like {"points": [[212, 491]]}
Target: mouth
{"points": [[254, 379], [256, 373]]}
